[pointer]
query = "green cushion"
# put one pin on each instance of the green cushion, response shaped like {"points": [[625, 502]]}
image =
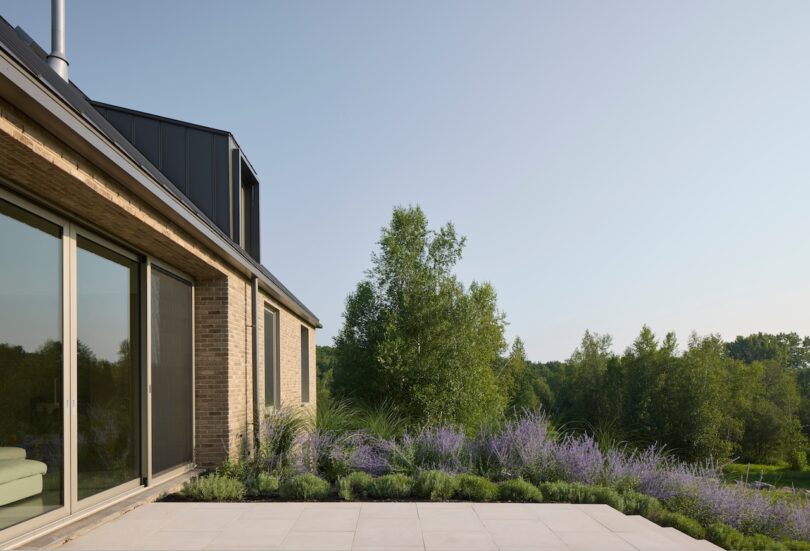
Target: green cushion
{"points": [[15, 469], [8, 452], [20, 489]]}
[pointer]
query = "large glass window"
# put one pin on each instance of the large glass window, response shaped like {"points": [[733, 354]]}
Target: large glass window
{"points": [[31, 366], [172, 376], [108, 382]]}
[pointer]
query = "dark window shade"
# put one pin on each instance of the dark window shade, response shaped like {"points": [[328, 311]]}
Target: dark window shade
{"points": [[304, 364], [172, 372], [270, 358]]}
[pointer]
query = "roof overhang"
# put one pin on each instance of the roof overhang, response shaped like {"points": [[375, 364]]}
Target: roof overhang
{"points": [[37, 99]]}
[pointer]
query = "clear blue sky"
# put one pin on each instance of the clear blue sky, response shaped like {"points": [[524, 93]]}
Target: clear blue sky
{"points": [[611, 163]]}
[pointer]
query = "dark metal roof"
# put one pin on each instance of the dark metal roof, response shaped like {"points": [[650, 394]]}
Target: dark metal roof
{"points": [[17, 44]]}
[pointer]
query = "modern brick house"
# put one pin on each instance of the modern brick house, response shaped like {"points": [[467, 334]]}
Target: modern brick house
{"points": [[139, 333]]}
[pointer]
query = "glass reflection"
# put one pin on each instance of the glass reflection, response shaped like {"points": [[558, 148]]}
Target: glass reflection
{"points": [[107, 369], [31, 372]]}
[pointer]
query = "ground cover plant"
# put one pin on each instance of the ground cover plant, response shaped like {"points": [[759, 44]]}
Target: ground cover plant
{"points": [[521, 460], [775, 475]]}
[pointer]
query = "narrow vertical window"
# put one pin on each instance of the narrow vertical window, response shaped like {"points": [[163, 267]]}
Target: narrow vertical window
{"points": [[304, 364], [270, 358]]}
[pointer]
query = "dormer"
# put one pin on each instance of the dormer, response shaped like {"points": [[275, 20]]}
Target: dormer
{"points": [[206, 165]]}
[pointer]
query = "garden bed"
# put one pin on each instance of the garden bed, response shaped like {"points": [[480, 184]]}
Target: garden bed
{"points": [[523, 460]]}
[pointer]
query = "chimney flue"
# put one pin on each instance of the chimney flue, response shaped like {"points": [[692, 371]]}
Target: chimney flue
{"points": [[57, 59]]}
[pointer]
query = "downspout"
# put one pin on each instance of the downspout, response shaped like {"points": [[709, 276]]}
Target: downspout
{"points": [[257, 419], [57, 59]]}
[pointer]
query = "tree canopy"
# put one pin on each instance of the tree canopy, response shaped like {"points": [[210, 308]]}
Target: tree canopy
{"points": [[417, 337]]}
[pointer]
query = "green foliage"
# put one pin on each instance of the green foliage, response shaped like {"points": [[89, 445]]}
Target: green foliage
{"points": [[381, 420], [435, 485], [325, 362], [574, 492], [304, 487], [778, 475], [266, 484], [759, 542], [519, 490], [475, 488], [683, 523], [795, 545], [636, 503], [215, 487], [335, 415], [354, 485], [788, 349], [391, 486], [714, 400], [524, 389], [798, 460], [729, 538], [413, 334], [691, 507], [280, 430]]}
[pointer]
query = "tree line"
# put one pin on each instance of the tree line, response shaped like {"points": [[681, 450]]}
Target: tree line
{"points": [[747, 399], [417, 340]]}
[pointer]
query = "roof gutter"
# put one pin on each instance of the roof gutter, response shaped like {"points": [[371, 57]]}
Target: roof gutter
{"points": [[39, 102]]}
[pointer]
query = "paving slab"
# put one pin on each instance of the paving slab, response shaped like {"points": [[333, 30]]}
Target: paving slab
{"points": [[383, 526]]}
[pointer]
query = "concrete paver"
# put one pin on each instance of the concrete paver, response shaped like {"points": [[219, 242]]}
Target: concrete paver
{"points": [[383, 526]]}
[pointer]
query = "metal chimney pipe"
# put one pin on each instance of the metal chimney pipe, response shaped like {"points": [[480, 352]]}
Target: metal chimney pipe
{"points": [[57, 59]]}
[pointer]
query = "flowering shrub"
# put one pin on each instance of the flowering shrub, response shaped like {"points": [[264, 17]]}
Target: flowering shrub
{"points": [[439, 448], [522, 447], [578, 459], [527, 448]]}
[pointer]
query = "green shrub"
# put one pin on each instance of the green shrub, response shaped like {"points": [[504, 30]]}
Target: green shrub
{"points": [[798, 459], [475, 488], [435, 485], [795, 545], [215, 487], [683, 523], [724, 535], [266, 484], [636, 503], [354, 485], [729, 538], [391, 486], [575, 492], [304, 487], [519, 490], [556, 492], [606, 496], [760, 542], [690, 507]]}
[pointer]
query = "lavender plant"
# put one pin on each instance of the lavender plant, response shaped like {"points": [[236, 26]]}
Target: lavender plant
{"points": [[528, 448]]}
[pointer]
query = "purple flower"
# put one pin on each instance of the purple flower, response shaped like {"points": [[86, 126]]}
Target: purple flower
{"points": [[369, 454], [579, 459]]}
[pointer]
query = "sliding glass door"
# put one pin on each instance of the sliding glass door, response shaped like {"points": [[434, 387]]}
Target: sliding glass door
{"points": [[74, 342], [32, 380], [107, 369]]}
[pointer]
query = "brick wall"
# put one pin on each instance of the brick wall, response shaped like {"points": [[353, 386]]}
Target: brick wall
{"points": [[211, 371]]}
